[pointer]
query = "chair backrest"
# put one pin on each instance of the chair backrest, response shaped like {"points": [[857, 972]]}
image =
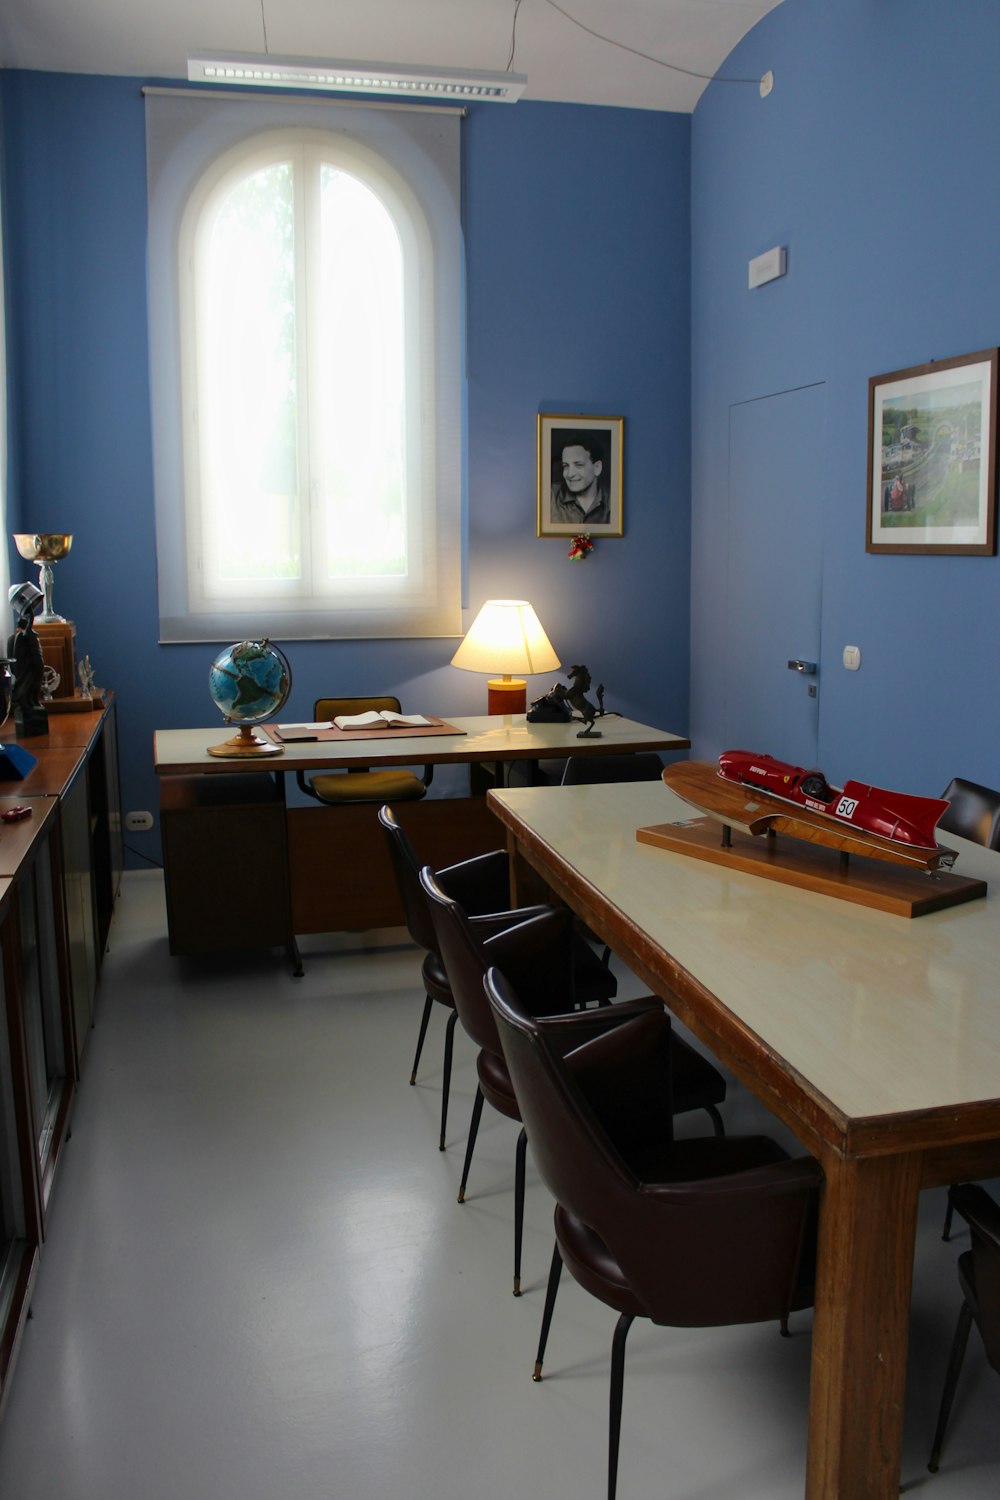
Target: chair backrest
{"points": [[332, 708], [973, 813], [585, 770], [538, 951], [406, 870], [699, 1253]]}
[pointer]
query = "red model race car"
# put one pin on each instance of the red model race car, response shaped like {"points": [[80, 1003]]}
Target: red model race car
{"points": [[891, 815]]}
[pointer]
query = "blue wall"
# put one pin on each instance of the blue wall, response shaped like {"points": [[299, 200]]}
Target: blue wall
{"points": [[578, 238], [874, 161]]}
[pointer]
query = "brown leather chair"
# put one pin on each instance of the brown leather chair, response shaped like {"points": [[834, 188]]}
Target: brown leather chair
{"points": [[538, 955], [480, 885], [335, 788], [698, 1233], [979, 1278]]}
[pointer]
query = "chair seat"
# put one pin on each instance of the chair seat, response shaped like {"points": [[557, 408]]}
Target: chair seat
{"points": [[396, 785], [494, 1080], [591, 1264], [436, 980]]}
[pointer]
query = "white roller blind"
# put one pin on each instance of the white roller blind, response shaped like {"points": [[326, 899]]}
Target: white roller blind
{"points": [[306, 334]]}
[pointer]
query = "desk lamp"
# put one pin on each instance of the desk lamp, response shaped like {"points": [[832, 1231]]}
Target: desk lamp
{"points": [[504, 638]]}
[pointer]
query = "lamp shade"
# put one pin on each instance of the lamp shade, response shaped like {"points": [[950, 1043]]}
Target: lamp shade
{"points": [[505, 638]]}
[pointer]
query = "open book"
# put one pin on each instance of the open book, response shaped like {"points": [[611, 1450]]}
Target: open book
{"points": [[383, 720]]}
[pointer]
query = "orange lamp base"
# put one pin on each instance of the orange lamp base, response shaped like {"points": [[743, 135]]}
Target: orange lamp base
{"points": [[507, 695]]}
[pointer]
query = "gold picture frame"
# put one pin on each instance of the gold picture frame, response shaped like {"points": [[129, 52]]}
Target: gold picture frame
{"points": [[586, 495]]}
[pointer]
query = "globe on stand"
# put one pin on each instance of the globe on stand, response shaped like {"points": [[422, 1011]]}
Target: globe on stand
{"points": [[249, 682]]}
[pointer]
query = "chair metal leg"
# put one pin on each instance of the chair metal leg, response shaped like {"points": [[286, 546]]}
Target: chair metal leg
{"points": [[555, 1271], [477, 1114], [718, 1124], [449, 1039], [617, 1380], [519, 1163], [949, 1212], [958, 1348], [428, 1004]]}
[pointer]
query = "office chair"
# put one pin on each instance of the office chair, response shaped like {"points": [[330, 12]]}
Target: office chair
{"points": [[335, 788], [588, 770], [481, 885], [693, 1234], [538, 955], [973, 813], [979, 1278]]}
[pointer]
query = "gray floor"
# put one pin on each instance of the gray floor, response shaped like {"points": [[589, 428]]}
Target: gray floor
{"points": [[258, 1284]]}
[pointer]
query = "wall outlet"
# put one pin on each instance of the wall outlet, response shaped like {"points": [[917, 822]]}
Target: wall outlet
{"points": [[138, 822]]}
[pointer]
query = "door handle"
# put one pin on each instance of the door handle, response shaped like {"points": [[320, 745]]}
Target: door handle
{"points": [[807, 668]]}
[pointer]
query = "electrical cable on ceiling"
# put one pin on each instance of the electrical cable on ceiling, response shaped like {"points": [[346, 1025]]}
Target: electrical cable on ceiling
{"points": [[513, 35], [673, 67]]}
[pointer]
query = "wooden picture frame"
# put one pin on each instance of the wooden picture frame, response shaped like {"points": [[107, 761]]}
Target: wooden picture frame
{"points": [[932, 462], [586, 496]]}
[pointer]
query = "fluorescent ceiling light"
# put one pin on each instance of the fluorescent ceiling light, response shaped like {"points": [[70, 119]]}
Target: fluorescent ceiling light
{"points": [[393, 79]]}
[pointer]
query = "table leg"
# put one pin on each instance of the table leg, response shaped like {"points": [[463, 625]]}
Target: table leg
{"points": [[865, 1273]]}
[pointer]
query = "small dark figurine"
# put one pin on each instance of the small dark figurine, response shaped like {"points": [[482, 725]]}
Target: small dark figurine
{"points": [[576, 697], [562, 704], [25, 653]]}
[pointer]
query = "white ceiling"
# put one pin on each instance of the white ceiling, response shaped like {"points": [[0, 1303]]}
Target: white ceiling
{"points": [[151, 38]]}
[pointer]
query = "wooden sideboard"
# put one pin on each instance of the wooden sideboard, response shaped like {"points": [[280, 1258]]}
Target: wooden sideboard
{"points": [[60, 871]]}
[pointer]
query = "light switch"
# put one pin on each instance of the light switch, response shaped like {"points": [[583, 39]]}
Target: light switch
{"points": [[852, 658]]}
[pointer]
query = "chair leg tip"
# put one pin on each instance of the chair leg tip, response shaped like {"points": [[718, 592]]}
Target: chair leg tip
{"points": [[536, 1373], [413, 1079], [461, 1195], [517, 1286], [441, 1143]]}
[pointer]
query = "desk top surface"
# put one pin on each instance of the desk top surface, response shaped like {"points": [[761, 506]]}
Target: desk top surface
{"points": [[872, 1014], [185, 751]]}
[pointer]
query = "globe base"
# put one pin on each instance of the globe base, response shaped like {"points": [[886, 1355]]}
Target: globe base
{"points": [[246, 743]]}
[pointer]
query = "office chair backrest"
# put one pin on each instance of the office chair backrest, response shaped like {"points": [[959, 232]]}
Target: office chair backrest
{"points": [[974, 812], [538, 951], [332, 708], [696, 1253], [406, 869], [586, 770]]}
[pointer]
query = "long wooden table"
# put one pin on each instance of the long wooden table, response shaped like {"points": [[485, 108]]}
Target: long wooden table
{"points": [[243, 867], [876, 1039]]}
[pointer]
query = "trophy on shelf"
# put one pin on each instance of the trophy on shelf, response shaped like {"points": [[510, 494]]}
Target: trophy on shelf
{"points": [[55, 633]]}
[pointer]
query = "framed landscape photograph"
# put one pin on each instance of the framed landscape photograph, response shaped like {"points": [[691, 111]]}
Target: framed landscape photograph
{"points": [[932, 463], [579, 475]]}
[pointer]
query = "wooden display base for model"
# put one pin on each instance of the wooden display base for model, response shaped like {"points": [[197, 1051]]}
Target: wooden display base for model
{"points": [[740, 828], [244, 745]]}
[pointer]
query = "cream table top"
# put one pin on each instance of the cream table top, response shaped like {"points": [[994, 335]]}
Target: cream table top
{"points": [[872, 1013], [484, 738]]}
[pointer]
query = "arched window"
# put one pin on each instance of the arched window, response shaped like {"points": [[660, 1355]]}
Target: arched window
{"points": [[312, 493]]}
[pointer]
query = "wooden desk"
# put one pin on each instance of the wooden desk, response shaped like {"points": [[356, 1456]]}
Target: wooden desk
{"points": [[244, 863], [874, 1038]]}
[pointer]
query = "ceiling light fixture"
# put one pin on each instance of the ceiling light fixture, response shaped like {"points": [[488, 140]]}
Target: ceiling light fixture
{"points": [[397, 80]]}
